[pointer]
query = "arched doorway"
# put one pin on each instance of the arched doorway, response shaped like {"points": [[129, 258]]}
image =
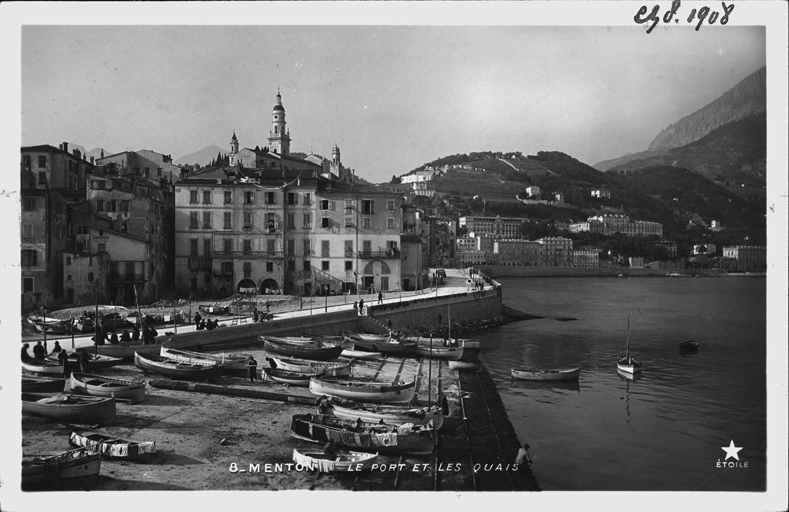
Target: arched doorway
{"points": [[268, 286], [247, 286], [376, 276]]}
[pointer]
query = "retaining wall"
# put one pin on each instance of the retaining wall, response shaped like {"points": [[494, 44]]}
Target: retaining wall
{"points": [[502, 271]]}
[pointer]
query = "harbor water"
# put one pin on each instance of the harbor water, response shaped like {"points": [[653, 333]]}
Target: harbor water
{"points": [[663, 431]]}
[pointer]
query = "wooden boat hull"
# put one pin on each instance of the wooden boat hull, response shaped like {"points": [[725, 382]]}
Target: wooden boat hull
{"points": [[324, 368], [634, 366], [176, 369], [299, 379], [364, 391], [69, 408], [111, 446], [360, 336], [319, 352], [124, 350], [374, 413], [98, 385], [230, 362], [95, 361], [348, 461], [364, 437], [42, 367], [73, 465], [545, 375], [452, 354], [466, 366], [38, 384], [360, 354]]}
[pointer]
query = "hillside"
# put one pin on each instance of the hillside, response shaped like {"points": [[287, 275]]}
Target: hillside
{"points": [[202, 157], [744, 100]]}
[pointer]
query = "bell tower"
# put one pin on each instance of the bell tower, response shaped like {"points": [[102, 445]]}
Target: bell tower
{"points": [[279, 137], [233, 149]]}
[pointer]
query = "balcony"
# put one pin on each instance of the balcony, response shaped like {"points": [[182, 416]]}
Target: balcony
{"points": [[114, 277], [380, 254], [248, 254]]}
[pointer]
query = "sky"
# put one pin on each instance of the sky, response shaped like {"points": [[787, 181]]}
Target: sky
{"points": [[391, 97]]}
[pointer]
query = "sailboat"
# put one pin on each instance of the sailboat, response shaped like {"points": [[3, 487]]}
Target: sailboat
{"points": [[627, 363]]}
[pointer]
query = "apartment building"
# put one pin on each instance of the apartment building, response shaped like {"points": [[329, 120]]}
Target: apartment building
{"points": [[498, 227], [556, 251], [611, 224], [747, 257], [586, 257], [516, 252]]}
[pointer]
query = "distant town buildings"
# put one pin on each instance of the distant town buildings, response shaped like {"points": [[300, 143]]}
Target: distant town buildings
{"points": [[612, 224], [498, 227], [601, 193], [747, 257]]}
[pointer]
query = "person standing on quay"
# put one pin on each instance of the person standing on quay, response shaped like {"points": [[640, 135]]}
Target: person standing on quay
{"points": [[380, 297], [63, 359], [361, 306], [198, 317], [83, 359], [253, 368]]}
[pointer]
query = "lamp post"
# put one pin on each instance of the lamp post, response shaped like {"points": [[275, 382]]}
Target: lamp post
{"points": [[325, 298]]}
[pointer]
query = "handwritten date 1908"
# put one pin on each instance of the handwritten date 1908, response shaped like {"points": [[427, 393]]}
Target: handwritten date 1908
{"points": [[701, 14]]}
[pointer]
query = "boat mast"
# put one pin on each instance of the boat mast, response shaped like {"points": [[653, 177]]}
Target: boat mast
{"points": [[627, 353]]}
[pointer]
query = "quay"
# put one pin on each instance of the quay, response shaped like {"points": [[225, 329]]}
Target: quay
{"points": [[235, 434]]}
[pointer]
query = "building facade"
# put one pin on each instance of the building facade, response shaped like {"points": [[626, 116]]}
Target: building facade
{"points": [[556, 251], [498, 227], [747, 257], [586, 257], [517, 252]]}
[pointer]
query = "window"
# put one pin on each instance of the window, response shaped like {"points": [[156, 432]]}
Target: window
{"points": [[206, 220], [29, 258], [390, 223], [326, 204], [247, 220], [307, 221], [349, 207], [193, 196], [206, 197], [390, 205], [348, 248], [29, 204], [367, 207], [193, 284], [291, 221], [227, 267], [90, 276], [291, 248], [125, 206], [193, 220], [159, 171], [270, 199], [228, 220], [307, 266], [307, 199], [227, 245], [27, 284], [307, 248], [146, 171], [326, 222], [207, 279], [112, 206], [249, 197], [325, 248], [228, 197], [367, 246], [292, 265], [42, 161], [207, 247], [68, 277], [193, 247], [367, 222], [102, 247], [271, 221], [247, 269], [293, 198], [271, 245], [99, 205], [247, 245], [348, 222], [269, 266], [348, 266], [42, 178], [325, 265]]}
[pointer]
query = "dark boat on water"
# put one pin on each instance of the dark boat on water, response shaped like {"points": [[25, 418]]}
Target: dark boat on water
{"points": [[689, 346]]}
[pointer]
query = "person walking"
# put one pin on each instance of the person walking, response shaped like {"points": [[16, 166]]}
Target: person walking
{"points": [[361, 306], [38, 352], [380, 297], [253, 368], [83, 359]]}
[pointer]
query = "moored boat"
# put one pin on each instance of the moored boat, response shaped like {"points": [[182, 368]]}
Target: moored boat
{"points": [[178, 369], [80, 465], [294, 378], [374, 413], [628, 363], [347, 461], [70, 408], [41, 384], [360, 354], [552, 374], [128, 349], [450, 353], [317, 350], [367, 437], [95, 361], [689, 346], [99, 385], [42, 367], [385, 344], [231, 361], [325, 368], [397, 392], [111, 446]]}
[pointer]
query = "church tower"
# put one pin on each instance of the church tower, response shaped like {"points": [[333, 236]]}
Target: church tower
{"points": [[233, 149], [279, 138]]}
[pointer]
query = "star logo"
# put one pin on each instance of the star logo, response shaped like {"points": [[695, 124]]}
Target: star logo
{"points": [[731, 450]]}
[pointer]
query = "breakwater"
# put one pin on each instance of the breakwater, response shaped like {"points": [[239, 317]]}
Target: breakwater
{"points": [[502, 271]]}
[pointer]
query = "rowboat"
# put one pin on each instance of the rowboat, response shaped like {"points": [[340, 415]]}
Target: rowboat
{"points": [[178, 369], [231, 361], [536, 374], [366, 437], [361, 336], [360, 354], [111, 446], [42, 367], [99, 385], [70, 408], [317, 350], [380, 343], [128, 349], [347, 461], [95, 361], [397, 392], [80, 465], [46, 324], [325, 368], [628, 363], [39, 384], [689, 346], [466, 366], [294, 378], [374, 413]]}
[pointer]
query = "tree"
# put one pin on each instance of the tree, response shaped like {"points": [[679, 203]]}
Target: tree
{"points": [[395, 180]]}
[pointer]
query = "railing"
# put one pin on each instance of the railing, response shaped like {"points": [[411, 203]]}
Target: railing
{"points": [[247, 254], [380, 254]]}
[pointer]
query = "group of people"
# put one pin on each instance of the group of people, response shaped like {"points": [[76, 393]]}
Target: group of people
{"points": [[201, 324], [259, 316], [359, 305], [39, 353]]}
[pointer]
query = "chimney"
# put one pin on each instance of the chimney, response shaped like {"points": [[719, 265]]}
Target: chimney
{"points": [[65, 147], [91, 160]]}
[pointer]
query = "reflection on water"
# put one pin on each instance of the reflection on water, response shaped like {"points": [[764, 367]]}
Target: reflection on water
{"points": [[674, 416]]}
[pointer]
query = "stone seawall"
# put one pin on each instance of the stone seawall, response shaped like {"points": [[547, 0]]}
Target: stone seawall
{"points": [[502, 271]]}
